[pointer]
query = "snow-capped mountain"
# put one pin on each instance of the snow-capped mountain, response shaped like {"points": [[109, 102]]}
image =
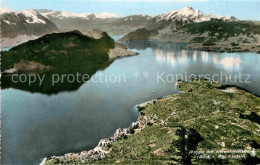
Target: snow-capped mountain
{"points": [[105, 15], [133, 20], [26, 22], [188, 14], [86, 16], [137, 17], [104, 21], [64, 14]]}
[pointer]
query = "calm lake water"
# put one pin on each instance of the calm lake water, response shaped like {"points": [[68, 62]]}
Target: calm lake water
{"points": [[35, 125]]}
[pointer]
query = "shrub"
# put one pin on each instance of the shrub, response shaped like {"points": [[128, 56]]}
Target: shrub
{"points": [[234, 44]]}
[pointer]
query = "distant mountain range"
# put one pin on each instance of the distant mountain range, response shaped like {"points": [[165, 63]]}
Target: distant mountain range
{"points": [[176, 18], [19, 26], [86, 16], [188, 15], [203, 32], [26, 22], [83, 22], [163, 26]]}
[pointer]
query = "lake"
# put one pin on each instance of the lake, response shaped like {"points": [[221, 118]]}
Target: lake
{"points": [[35, 125]]}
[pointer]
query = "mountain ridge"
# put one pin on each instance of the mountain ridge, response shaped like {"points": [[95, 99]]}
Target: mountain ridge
{"points": [[26, 22], [189, 14]]}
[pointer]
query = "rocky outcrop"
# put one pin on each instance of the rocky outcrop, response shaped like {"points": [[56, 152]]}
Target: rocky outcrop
{"points": [[120, 50], [28, 66], [94, 33]]}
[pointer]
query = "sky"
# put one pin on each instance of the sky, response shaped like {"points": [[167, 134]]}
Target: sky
{"points": [[243, 9]]}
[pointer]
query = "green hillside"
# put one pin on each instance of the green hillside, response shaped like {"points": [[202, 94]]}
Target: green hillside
{"points": [[139, 34], [56, 54], [207, 123], [60, 50], [222, 29], [205, 117]]}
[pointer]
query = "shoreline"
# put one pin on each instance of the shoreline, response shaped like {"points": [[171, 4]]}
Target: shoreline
{"points": [[224, 48], [104, 146], [251, 48]]}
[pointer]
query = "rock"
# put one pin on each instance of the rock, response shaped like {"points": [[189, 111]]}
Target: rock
{"points": [[164, 122], [105, 143], [159, 151], [120, 52], [120, 133], [94, 33], [174, 113], [12, 70]]}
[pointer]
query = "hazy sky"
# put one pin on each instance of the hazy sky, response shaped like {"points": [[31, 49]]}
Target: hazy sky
{"points": [[243, 9]]}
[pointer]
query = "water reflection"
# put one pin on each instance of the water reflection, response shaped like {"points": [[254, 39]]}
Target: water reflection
{"points": [[171, 57], [205, 56], [195, 53], [47, 86], [28, 118], [215, 58], [159, 55], [230, 62], [182, 55]]}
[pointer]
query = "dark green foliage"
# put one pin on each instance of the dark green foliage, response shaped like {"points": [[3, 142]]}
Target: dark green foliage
{"points": [[253, 117], [188, 141], [250, 160], [209, 42], [221, 29], [237, 47], [234, 44], [255, 145], [131, 130], [47, 87], [198, 39], [180, 144], [60, 50], [149, 124], [139, 34], [68, 53], [217, 161]]}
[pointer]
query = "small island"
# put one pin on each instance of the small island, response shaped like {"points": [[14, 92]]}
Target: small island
{"points": [[63, 50], [63, 54]]}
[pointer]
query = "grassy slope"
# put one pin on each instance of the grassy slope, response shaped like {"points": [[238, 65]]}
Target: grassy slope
{"points": [[139, 34], [219, 29], [217, 116], [60, 50]]}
